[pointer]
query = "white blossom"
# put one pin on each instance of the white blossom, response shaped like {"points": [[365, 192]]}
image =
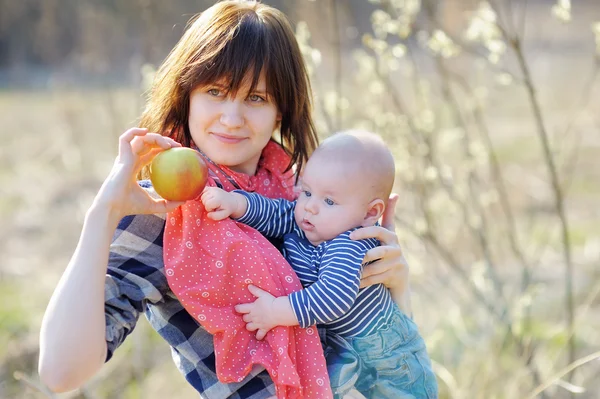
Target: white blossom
{"points": [[562, 10], [596, 30]]}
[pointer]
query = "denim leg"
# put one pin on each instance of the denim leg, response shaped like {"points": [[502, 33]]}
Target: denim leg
{"points": [[395, 363], [410, 377], [343, 363]]}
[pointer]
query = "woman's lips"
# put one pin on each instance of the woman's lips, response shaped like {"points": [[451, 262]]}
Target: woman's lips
{"points": [[228, 139]]}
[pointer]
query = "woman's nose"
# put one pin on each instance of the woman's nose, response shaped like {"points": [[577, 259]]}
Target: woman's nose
{"points": [[232, 116]]}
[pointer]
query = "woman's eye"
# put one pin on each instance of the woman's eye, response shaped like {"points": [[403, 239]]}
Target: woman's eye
{"points": [[255, 98], [307, 193], [214, 92], [329, 201]]}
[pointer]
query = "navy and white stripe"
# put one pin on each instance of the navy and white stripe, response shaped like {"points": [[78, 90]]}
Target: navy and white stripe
{"points": [[330, 272], [271, 217]]}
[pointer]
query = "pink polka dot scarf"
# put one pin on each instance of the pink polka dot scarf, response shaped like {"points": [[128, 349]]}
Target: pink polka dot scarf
{"points": [[209, 265]]}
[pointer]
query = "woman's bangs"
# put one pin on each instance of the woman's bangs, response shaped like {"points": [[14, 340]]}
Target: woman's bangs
{"points": [[243, 56]]}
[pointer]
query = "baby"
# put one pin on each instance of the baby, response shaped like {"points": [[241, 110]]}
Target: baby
{"points": [[345, 186]]}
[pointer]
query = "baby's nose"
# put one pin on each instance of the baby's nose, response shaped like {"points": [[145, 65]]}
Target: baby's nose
{"points": [[311, 206]]}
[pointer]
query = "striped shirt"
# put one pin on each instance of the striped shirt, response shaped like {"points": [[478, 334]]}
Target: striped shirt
{"points": [[329, 272]]}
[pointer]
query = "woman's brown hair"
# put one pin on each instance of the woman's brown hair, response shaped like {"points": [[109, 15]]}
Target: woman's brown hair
{"points": [[234, 40]]}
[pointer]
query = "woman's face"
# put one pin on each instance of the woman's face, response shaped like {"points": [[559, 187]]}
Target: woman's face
{"points": [[232, 131]]}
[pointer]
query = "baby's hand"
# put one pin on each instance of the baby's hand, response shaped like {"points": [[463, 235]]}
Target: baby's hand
{"points": [[219, 203], [258, 315]]}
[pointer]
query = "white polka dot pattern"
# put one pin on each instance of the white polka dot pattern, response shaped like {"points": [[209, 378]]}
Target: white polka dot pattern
{"points": [[209, 266]]}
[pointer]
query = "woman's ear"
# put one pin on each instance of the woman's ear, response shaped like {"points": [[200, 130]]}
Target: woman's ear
{"points": [[374, 212]]}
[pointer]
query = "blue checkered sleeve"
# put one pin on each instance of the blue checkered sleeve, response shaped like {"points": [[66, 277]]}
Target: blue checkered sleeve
{"points": [[136, 283]]}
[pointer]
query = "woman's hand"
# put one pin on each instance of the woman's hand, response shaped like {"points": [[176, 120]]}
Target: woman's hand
{"points": [[72, 336], [120, 191], [390, 267]]}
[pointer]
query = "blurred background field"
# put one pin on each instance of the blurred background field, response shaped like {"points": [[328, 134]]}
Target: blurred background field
{"points": [[493, 113]]}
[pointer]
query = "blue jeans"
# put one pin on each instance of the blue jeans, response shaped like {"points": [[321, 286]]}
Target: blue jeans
{"points": [[392, 363]]}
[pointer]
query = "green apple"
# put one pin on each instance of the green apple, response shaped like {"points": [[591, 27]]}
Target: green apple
{"points": [[178, 174]]}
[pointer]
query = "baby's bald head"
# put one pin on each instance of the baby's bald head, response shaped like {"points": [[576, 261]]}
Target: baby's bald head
{"points": [[365, 156]]}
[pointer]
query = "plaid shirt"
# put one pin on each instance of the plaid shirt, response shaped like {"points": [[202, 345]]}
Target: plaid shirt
{"points": [[136, 283]]}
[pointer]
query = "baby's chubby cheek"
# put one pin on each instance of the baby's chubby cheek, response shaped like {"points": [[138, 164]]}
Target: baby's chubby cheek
{"points": [[298, 214]]}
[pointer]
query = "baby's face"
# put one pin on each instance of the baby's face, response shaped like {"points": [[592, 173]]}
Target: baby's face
{"points": [[333, 199]]}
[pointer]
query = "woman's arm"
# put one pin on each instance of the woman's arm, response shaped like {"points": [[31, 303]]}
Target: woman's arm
{"points": [[72, 337], [72, 343], [390, 268]]}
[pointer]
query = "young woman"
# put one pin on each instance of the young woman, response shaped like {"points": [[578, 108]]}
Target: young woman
{"points": [[234, 81]]}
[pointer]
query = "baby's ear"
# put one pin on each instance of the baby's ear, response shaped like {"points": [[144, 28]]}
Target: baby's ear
{"points": [[374, 212]]}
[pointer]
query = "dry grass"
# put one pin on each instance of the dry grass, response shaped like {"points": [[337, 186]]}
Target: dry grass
{"points": [[57, 146]]}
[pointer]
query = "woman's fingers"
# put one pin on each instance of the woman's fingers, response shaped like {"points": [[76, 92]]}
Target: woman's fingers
{"points": [[389, 271], [137, 147], [137, 141], [376, 273], [132, 133], [375, 279], [388, 217], [385, 236], [141, 144], [146, 146], [384, 233], [376, 268], [125, 151], [382, 252], [164, 206], [146, 158], [384, 264]]}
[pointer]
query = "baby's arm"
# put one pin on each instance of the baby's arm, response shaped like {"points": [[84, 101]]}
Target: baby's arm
{"points": [[325, 300], [335, 292], [220, 204], [271, 217]]}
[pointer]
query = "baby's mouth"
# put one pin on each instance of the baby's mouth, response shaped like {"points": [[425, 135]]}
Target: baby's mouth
{"points": [[306, 225]]}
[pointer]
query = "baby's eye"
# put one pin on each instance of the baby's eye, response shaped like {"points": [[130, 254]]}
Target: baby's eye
{"points": [[307, 193], [329, 201]]}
